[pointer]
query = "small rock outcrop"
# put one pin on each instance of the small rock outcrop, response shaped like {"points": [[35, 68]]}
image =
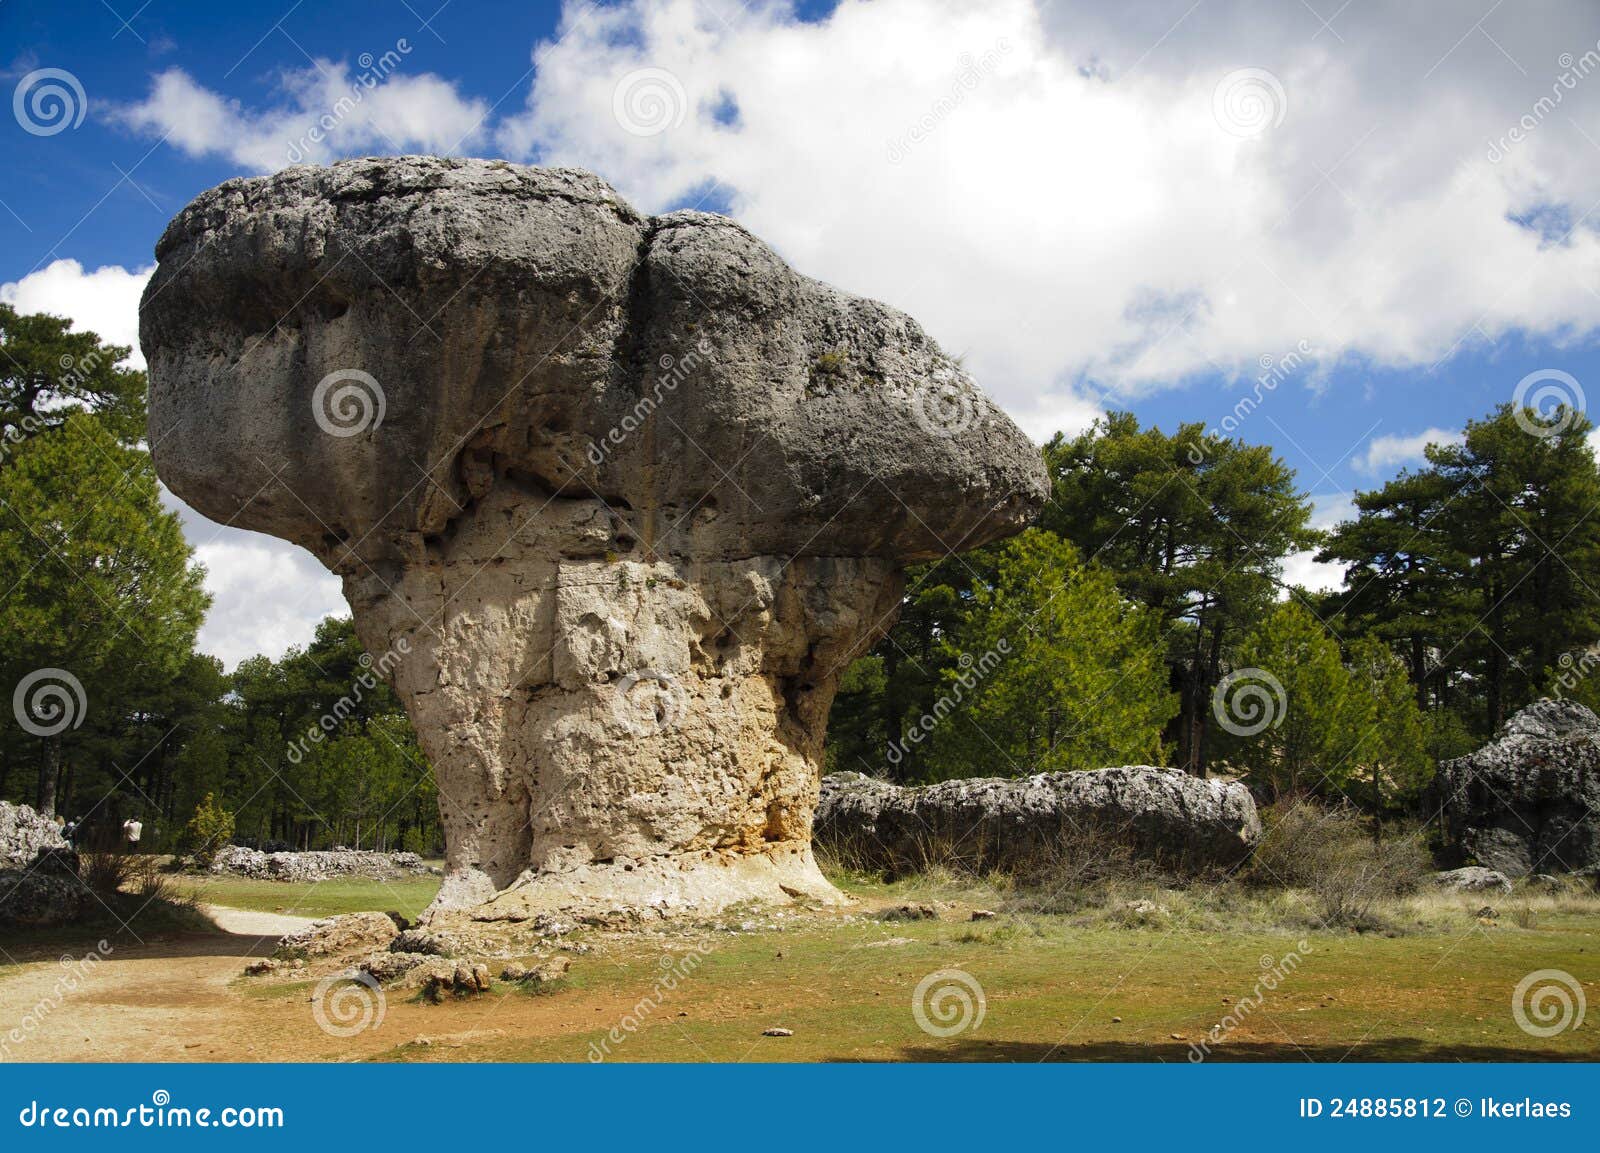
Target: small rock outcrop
{"points": [[1017, 824], [345, 934], [39, 883], [317, 865], [1529, 801], [1473, 879], [614, 498], [24, 834]]}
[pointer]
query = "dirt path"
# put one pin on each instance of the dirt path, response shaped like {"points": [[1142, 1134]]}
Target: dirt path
{"points": [[183, 998], [248, 923]]}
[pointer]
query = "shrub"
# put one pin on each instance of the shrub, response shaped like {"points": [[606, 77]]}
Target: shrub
{"points": [[209, 830], [104, 871], [1330, 853]]}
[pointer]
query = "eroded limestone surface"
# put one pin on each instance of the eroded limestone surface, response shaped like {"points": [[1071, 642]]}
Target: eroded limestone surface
{"points": [[614, 498]]}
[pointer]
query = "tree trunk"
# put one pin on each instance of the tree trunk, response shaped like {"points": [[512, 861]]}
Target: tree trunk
{"points": [[49, 772]]}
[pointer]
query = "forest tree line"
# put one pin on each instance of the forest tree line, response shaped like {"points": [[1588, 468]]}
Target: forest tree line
{"points": [[1145, 618]]}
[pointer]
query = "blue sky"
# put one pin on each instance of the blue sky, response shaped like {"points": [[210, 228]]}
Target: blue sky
{"points": [[1132, 205]]}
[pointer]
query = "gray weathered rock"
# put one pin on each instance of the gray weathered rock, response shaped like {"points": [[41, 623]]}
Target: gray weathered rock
{"points": [[1530, 799], [1472, 879], [39, 883], [320, 865], [638, 493], [339, 936], [38, 897], [24, 834], [1015, 824]]}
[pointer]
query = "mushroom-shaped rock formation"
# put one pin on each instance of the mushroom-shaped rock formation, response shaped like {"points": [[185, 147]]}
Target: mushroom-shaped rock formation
{"points": [[615, 497]]}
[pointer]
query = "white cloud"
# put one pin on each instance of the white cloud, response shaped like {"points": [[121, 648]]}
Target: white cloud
{"points": [[1385, 454], [105, 301], [325, 112], [266, 594], [1302, 568], [1049, 189]]}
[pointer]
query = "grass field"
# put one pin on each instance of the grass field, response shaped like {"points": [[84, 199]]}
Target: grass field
{"points": [[319, 899], [1127, 973]]}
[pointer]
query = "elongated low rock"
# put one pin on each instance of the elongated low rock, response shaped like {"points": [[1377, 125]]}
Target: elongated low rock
{"points": [[1017, 825], [614, 498]]}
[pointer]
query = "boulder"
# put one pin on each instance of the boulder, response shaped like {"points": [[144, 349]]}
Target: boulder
{"points": [[39, 898], [614, 499], [1473, 879], [24, 834], [1529, 801], [39, 883], [1016, 824]]}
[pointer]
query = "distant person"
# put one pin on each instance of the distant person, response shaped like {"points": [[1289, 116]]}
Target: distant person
{"points": [[131, 830]]}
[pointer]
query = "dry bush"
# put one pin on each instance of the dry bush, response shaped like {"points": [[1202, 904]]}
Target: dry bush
{"points": [[1094, 864], [1330, 852], [105, 871]]}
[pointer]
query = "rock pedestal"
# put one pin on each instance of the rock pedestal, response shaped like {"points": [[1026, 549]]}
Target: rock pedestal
{"points": [[614, 498]]}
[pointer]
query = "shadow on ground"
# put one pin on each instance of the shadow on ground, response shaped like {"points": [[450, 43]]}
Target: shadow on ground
{"points": [[1385, 1049]]}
